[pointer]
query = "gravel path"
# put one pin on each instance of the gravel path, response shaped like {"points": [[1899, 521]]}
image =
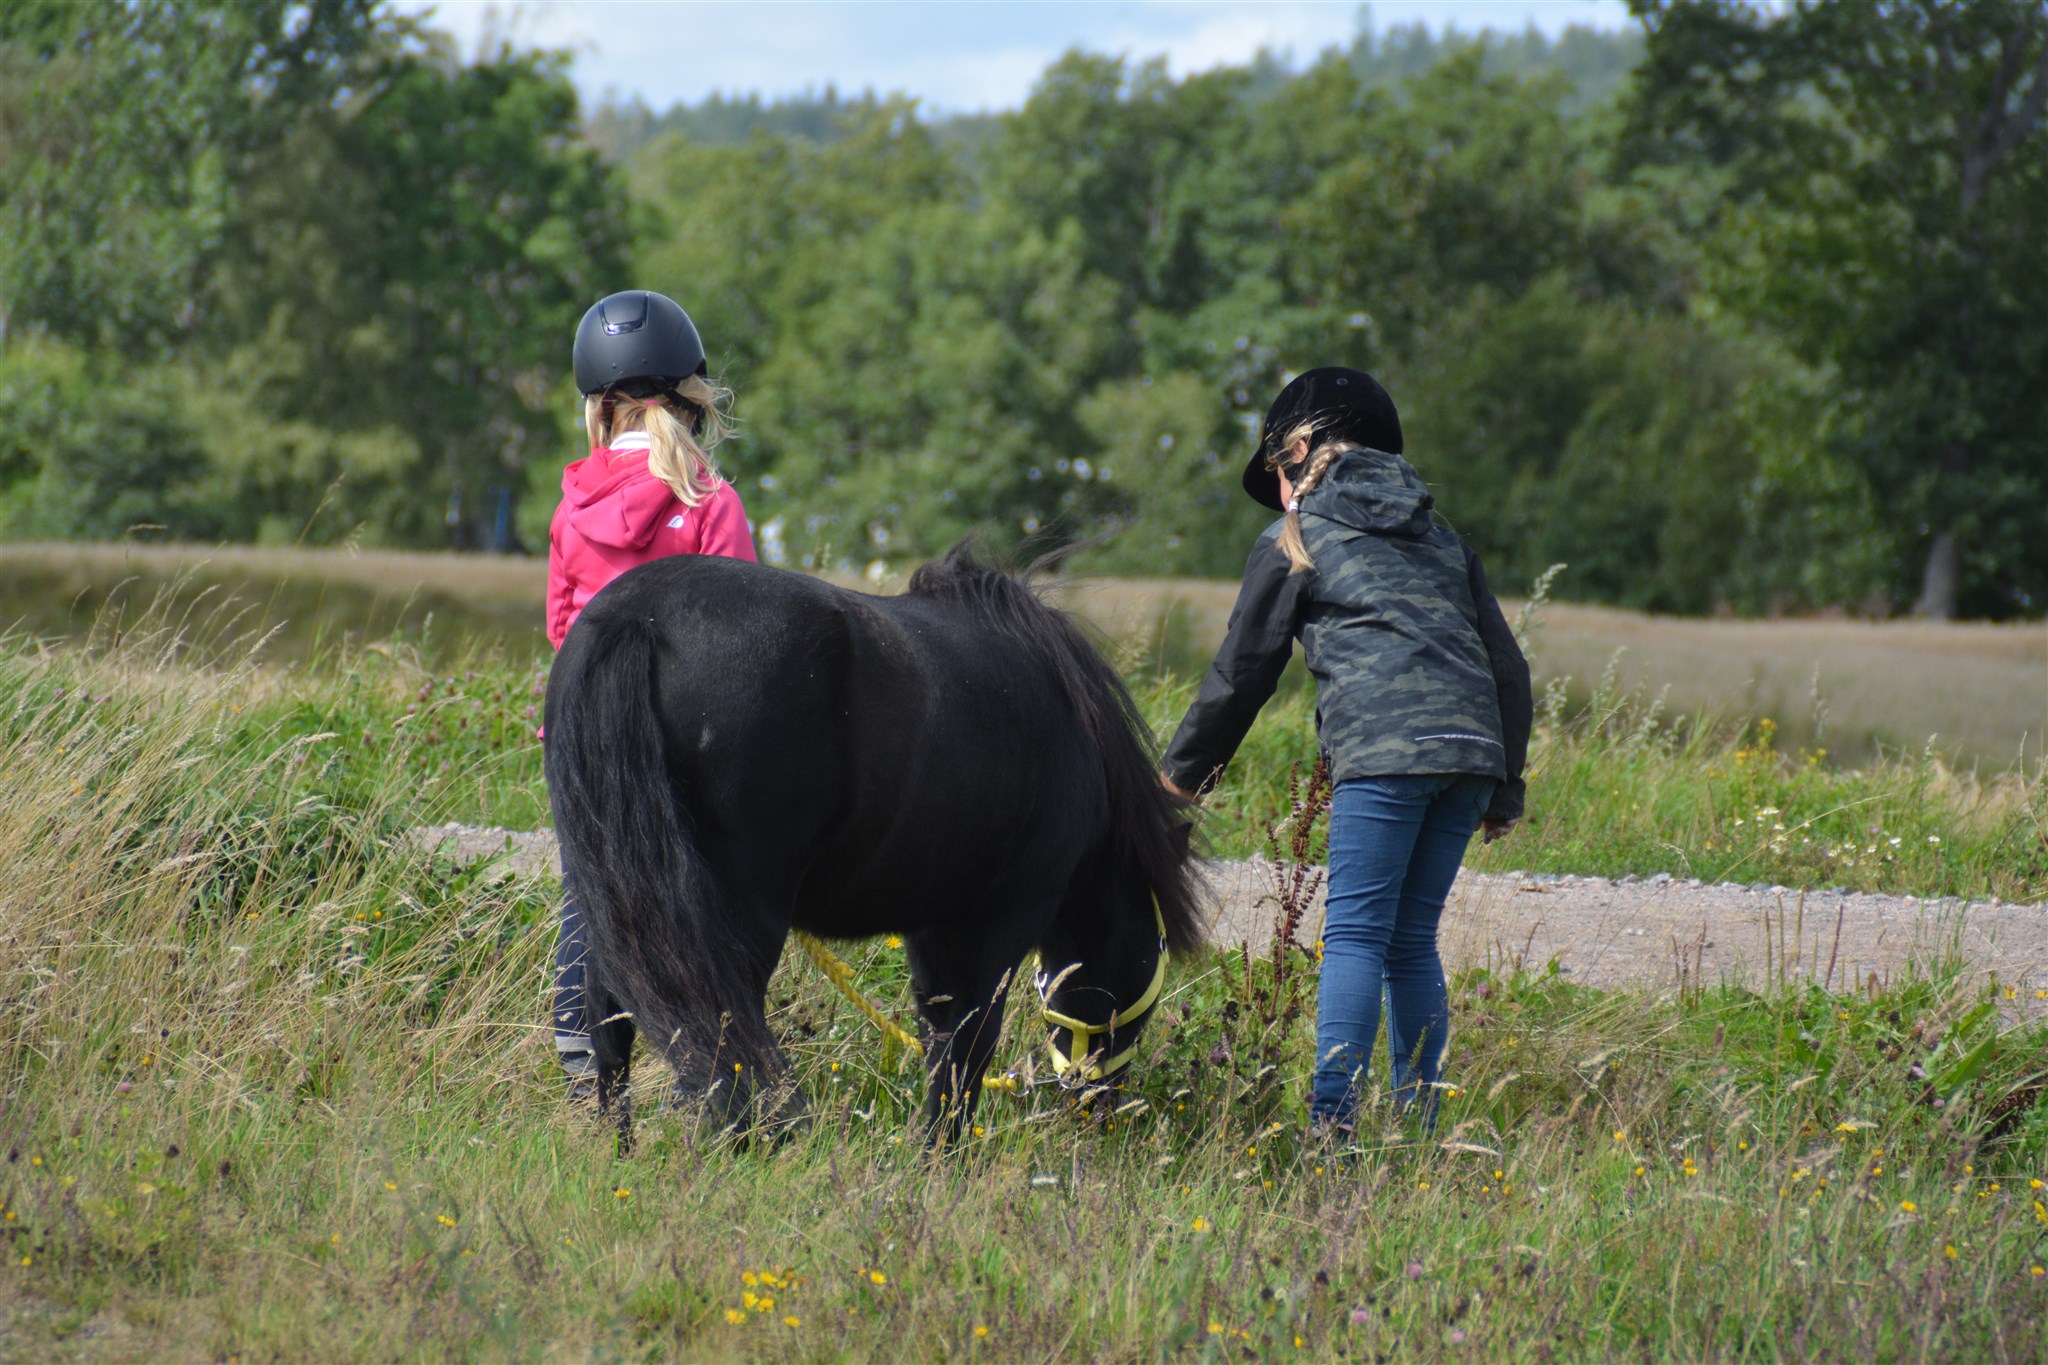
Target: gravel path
{"points": [[1605, 932]]}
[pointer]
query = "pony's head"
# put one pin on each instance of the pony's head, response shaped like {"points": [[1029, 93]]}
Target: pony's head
{"points": [[1103, 959]]}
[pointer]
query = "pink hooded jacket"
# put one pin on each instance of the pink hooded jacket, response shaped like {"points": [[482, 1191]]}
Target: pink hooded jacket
{"points": [[616, 516]]}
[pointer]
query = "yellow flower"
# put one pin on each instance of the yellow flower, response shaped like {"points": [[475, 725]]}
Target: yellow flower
{"points": [[1949, 1250], [792, 1321], [979, 1131], [2034, 1184], [981, 1331], [2038, 1270], [1639, 1170], [1215, 1328], [735, 1316], [750, 1299], [764, 1304], [35, 1161], [877, 1277], [335, 1239], [1742, 1146], [444, 1220], [1201, 1225], [1909, 1206], [893, 941], [1319, 1170], [1620, 1136], [749, 1278], [622, 1193], [1299, 1342], [390, 1185]]}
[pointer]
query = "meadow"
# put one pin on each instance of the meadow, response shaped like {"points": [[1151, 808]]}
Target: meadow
{"points": [[273, 1081]]}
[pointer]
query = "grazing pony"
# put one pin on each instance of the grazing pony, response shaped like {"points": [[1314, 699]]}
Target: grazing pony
{"points": [[735, 751]]}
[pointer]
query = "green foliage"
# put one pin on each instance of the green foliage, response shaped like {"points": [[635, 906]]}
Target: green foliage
{"points": [[354, 259], [1887, 165], [1753, 329]]}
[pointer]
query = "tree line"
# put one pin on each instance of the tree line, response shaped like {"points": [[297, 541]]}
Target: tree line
{"points": [[1742, 309]]}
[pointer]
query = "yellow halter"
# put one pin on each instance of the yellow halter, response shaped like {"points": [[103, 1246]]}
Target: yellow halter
{"points": [[841, 976], [1077, 1062]]}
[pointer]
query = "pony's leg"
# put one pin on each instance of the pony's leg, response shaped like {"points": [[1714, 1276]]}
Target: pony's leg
{"points": [[611, 1040], [739, 1075], [960, 991]]}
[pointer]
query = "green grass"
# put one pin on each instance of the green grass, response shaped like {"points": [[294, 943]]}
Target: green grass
{"points": [[273, 1082]]}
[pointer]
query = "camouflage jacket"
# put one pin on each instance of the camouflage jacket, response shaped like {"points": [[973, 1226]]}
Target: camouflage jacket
{"points": [[1416, 669]]}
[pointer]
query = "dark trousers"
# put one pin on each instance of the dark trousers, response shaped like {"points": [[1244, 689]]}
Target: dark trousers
{"points": [[571, 1032]]}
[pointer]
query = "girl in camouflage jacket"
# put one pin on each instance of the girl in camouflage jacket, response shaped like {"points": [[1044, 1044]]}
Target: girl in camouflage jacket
{"points": [[1423, 711]]}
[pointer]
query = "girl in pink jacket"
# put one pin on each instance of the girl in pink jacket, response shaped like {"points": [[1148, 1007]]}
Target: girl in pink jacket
{"points": [[647, 489]]}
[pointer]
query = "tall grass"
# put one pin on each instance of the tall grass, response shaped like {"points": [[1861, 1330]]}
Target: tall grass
{"points": [[273, 1082]]}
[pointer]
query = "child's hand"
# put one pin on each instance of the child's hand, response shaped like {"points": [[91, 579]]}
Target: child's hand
{"points": [[1176, 789], [1489, 830]]}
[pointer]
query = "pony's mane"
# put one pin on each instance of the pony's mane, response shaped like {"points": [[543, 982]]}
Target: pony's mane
{"points": [[1146, 822]]}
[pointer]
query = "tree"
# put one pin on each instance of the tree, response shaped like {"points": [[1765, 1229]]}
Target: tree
{"points": [[1886, 173]]}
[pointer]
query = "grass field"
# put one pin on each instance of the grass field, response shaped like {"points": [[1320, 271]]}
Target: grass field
{"points": [[273, 1083], [1978, 694]]}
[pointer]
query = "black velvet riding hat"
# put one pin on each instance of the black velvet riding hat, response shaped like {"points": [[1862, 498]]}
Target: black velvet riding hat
{"points": [[1344, 405]]}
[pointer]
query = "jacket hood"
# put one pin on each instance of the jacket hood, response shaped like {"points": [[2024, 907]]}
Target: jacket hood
{"points": [[612, 500], [1373, 490]]}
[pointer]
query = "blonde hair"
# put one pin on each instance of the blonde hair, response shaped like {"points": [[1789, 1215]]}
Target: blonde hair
{"points": [[676, 454], [1290, 531]]}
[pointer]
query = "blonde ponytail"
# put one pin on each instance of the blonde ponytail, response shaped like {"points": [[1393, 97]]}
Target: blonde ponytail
{"points": [[1290, 531], [678, 456]]}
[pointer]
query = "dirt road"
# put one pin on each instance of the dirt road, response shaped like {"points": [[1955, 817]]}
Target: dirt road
{"points": [[1634, 931]]}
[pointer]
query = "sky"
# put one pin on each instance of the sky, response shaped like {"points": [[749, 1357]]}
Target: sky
{"points": [[961, 57]]}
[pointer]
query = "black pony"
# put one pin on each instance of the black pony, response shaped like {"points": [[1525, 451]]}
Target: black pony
{"points": [[734, 751]]}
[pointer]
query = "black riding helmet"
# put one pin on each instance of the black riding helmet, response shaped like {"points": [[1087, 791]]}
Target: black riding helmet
{"points": [[638, 342], [1345, 405]]}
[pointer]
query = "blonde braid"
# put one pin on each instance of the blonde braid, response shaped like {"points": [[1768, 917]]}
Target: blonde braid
{"points": [[1290, 533]]}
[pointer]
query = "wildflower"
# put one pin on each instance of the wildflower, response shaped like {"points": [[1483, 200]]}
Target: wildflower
{"points": [[2038, 1270], [1639, 1170], [622, 1193], [792, 1321], [35, 1161], [981, 1331], [750, 1299], [335, 1239], [1909, 1206], [1949, 1251], [979, 1131], [749, 1278], [893, 941], [1620, 1136], [444, 1220], [1360, 1317], [735, 1316], [765, 1304], [1201, 1225], [1215, 1328], [390, 1184], [1319, 1170], [1934, 838], [1415, 1270], [877, 1277]]}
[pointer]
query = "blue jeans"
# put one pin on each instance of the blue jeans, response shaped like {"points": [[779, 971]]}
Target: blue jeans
{"points": [[1395, 847]]}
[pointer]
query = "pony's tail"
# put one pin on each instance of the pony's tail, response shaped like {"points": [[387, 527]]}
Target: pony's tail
{"points": [[660, 946]]}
